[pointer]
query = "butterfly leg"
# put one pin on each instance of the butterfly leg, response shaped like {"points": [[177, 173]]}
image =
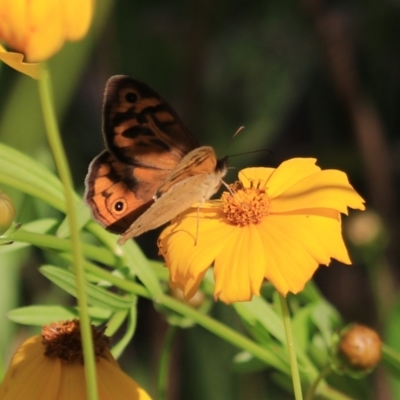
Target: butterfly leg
{"points": [[228, 187]]}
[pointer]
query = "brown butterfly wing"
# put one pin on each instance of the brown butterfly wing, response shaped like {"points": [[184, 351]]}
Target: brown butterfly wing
{"points": [[117, 193], [141, 128]]}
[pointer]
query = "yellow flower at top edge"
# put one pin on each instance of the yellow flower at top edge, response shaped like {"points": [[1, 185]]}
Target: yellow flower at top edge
{"points": [[50, 367], [275, 224], [38, 28]]}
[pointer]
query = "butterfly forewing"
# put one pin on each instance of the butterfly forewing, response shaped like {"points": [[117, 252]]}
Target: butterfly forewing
{"points": [[141, 128]]}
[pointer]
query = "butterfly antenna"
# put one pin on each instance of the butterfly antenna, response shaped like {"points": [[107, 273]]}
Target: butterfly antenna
{"points": [[250, 152]]}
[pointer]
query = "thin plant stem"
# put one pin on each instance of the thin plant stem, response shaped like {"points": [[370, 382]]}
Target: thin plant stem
{"points": [[163, 368], [313, 388], [291, 349], [54, 138]]}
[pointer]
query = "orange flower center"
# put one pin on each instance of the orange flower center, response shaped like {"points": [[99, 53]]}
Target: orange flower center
{"points": [[244, 206]]}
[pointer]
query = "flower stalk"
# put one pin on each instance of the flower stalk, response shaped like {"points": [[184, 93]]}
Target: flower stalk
{"points": [[162, 381], [60, 158], [291, 348], [311, 392]]}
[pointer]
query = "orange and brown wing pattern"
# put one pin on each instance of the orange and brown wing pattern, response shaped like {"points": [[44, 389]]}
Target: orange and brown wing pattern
{"points": [[117, 193], [195, 180], [141, 128]]}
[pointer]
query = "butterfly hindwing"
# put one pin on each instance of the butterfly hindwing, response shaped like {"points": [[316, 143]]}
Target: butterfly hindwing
{"points": [[118, 193]]}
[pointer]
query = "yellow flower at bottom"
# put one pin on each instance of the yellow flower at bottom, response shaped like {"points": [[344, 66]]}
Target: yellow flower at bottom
{"points": [[276, 224], [49, 367]]}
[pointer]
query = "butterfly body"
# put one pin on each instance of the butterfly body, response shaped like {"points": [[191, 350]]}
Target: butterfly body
{"points": [[152, 168]]}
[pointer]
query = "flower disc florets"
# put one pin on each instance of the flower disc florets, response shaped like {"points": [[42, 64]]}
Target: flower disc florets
{"points": [[244, 206]]}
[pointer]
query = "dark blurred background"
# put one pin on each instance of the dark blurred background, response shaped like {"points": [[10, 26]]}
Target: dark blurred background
{"points": [[306, 78]]}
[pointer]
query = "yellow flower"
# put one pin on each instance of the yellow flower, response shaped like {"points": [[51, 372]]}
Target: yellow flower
{"points": [[49, 367], [276, 224], [38, 28]]}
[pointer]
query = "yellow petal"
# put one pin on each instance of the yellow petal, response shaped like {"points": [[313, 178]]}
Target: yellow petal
{"points": [[258, 174], [14, 60], [31, 375], [115, 384], [77, 23], [72, 383], [187, 260], [280, 179], [290, 172], [46, 31], [13, 25], [295, 245], [239, 268], [328, 188]]}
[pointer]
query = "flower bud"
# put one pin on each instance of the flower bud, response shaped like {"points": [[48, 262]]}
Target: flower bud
{"points": [[365, 228], [357, 350], [196, 301], [7, 212]]}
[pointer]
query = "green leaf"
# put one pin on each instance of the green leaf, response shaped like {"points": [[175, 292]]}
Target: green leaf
{"points": [[260, 311], [390, 355], [44, 315], [116, 321], [391, 359], [97, 296], [38, 226], [119, 347], [302, 327], [139, 265], [326, 319], [25, 174], [83, 215], [245, 362]]}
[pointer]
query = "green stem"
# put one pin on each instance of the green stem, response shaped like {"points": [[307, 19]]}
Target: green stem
{"points": [[163, 369], [291, 349], [313, 388], [57, 149], [50, 242]]}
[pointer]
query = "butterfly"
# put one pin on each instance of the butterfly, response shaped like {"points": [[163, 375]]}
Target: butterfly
{"points": [[153, 169]]}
